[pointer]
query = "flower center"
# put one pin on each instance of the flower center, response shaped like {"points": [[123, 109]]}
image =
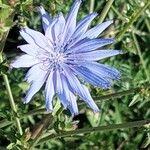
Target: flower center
{"points": [[57, 58], [53, 60]]}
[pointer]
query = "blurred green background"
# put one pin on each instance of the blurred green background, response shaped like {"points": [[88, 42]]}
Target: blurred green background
{"points": [[131, 98]]}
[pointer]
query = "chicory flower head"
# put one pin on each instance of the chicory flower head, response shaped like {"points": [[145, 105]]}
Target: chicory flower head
{"points": [[65, 56]]}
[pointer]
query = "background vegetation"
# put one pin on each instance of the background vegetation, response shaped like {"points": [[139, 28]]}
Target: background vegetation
{"points": [[123, 107]]}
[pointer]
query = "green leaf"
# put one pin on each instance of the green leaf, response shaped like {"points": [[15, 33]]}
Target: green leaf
{"points": [[11, 145], [5, 12], [27, 2], [94, 118], [24, 86], [135, 99]]}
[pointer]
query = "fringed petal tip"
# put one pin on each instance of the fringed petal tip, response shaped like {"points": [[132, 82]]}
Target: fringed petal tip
{"points": [[23, 29], [97, 111], [94, 14], [78, 1], [25, 101], [110, 21], [113, 40], [118, 77], [49, 109], [73, 110], [19, 46], [41, 9], [107, 86], [74, 114], [11, 67], [121, 52], [13, 64], [94, 107]]}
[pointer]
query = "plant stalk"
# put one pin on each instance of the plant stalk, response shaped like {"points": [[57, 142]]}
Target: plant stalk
{"points": [[141, 57], [6, 81], [97, 129], [92, 3], [105, 11]]}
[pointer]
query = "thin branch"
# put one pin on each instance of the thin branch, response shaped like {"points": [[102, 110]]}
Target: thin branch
{"points": [[97, 129], [92, 3], [141, 57], [11, 100], [105, 11]]}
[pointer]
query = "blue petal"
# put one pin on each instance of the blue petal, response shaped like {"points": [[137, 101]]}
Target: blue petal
{"points": [[94, 55], [49, 91], [30, 49], [71, 21], [24, 61], [91, 33], [46, 18], [89, 45], [59, 28], [67, 98], [59, 86], [36, 76], [50, 31], [91, 77], [79, 89], [102, 70], [90, 101], [83, 25], [97, 30], [35, 37]]}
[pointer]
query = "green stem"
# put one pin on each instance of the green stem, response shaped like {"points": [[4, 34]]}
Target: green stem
{"points": [[5, 122], [147, 24], [119, 15], [115, 95], [97, 129], [134, 17], [117, 112], [11, 99], [92, 3], [3, 41], [141, 57], [102, 114], [105, 11]]}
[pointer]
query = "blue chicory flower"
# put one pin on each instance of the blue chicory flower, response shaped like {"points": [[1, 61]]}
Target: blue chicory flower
{"points": [[64, 56]]}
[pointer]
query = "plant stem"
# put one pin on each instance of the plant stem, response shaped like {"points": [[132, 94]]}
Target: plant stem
{"points": [[6, 81], [3, 41], [4, 123], [97, 129], [120, 16], [134, 17], [115, 95], [147, 24], [12, 103], [105, 11], [92, 3], [141, 57]]}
